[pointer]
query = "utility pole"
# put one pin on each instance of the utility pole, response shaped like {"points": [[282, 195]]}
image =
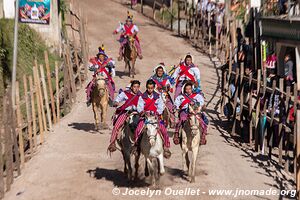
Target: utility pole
{"points": [[15, 54]]}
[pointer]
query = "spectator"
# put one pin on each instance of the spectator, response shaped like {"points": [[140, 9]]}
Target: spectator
{"points": [[239, 37], [220, 11], [203, 6], [271, 60], [288, 70], [282, 6], [210, 7]]}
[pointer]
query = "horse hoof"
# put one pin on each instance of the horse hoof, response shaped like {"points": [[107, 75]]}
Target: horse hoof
{"points": [[193, 180], [105, 126]]}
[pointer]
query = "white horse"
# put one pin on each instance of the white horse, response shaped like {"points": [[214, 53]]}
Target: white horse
{"points": [[126, 142], [191, 136], [152, 148]]}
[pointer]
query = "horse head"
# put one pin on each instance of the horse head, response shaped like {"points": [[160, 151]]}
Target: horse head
{"points": [[101, 84], [131, 41], [164, 96], [151, 127], [193, 115]]}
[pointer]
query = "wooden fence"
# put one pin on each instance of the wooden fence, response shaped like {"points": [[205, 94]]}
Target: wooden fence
{"points": [[48, 96], [252, 99]]}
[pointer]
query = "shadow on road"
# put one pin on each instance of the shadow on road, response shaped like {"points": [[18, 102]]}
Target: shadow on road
{"points": [[88, 127], [116, 176], [120, 74]]}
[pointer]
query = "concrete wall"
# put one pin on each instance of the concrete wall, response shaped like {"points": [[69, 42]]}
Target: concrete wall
{"points": [[50, 33], [9, 8], [1, 9]]}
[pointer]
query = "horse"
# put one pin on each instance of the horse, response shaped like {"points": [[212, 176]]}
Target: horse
{"points": [[126, 142], [191, 136], [152, 148], [166, 113], [99, 99], [130, 55]]}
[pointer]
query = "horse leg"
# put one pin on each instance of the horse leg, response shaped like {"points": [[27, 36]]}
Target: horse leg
{"points": [[129, 173], [132, 68], [195, 153], [125, 164], [146, 169], [104, 114], [151, 168], [129, 68], [95, 110], [161, 166], [136, 165], [185, 156]]}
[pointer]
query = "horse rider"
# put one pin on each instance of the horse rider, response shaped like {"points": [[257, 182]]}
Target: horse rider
{"points": [[125, 101], [128, 29], [151, 101], [164, 85], [104, 66], [187, 71], [181, 104]]}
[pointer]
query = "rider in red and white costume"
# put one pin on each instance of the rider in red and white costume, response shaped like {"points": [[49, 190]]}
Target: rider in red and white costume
{"points": [[105, 66], [128, 29], [164, 85], [181, 104], [186, 71], [126, 101]]}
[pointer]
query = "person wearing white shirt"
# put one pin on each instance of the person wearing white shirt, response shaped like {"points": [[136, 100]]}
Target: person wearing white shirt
{"points": [[129, 29], [181, 104], [187, 71], [151, 101]]}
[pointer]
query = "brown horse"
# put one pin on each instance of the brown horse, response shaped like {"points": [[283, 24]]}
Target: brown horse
{"points": [[130, 55], [99, 99]]}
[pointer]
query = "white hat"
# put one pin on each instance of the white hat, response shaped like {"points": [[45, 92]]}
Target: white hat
{"points": [[189, 54], [182, 89], [160, 65]]}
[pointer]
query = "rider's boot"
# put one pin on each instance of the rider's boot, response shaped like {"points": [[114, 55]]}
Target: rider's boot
{"points": [[88, 102], [112, 147], [167, 153], [120, 54], [176, 138]]}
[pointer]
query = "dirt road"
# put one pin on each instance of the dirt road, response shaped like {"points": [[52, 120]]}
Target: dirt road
{"points": [[73, 163]]}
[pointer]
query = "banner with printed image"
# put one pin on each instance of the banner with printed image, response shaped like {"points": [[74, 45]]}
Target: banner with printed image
{"points": [[34, 11]]}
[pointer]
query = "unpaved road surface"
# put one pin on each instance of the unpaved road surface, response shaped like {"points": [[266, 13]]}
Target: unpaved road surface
{"points": [[74, 164]]}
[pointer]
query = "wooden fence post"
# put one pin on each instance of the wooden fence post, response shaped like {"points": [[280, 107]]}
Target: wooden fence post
{"points": [[41, 100], [57, 92], [178, 17], [28, 115], [19, 125], [250, 111], [78, 67], [8, 139], [33, 113], [235, 106], [257, 111], [50, 87], [83, 44], [1, 153], [287, 133], [39, 103], [280, 132], [46, 97]]}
